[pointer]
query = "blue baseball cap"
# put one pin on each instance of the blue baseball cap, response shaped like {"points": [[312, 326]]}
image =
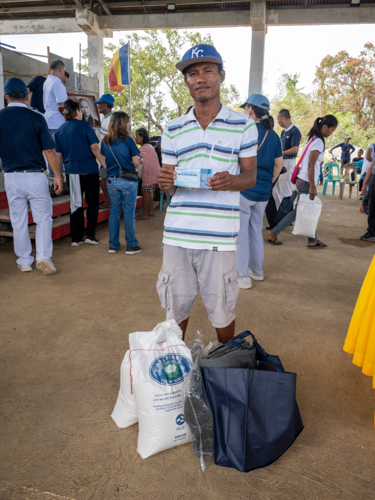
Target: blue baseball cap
{"points": [[258, 100], [200, 53], [15, 87], [108, 98]]}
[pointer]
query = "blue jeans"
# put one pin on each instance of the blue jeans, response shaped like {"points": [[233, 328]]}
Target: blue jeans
{"points": [[122, 193], [302, 188]]}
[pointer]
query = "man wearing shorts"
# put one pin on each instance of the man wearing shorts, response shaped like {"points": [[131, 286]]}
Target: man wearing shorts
{"points": [[201, 225]]}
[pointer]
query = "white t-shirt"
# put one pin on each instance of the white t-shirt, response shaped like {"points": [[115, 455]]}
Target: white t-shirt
{"points": [[53, 93], [104, 125], [317, 145], [367, 163]]}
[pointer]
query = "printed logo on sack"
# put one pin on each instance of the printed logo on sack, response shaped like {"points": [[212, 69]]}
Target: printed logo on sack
{"points": [[170, 369], [180, 420]]}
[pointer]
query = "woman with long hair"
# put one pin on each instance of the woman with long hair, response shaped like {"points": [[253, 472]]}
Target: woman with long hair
{"points": [[150, 168], [77, 143], [253, 201], [121, 156], [308, 174]]}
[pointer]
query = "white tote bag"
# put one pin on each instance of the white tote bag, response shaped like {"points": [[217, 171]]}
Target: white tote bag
{"points": [[307, 218]]}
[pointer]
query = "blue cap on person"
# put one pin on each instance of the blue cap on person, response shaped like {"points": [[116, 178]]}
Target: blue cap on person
{"points": [[15, 87], [258, 100], [200, 53], [108, 98]]}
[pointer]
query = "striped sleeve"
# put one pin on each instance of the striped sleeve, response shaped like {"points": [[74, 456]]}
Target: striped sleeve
{"points": [[249, 140], [169, 156]]}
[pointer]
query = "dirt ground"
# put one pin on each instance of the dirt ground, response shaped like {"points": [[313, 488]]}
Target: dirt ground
{"points": [[63, 338]]}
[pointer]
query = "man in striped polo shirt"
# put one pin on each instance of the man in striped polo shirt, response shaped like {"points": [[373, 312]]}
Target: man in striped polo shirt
{"points": [[201, 225]]}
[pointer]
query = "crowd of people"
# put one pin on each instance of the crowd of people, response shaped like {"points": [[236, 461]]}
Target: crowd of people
{"points": [[212, 237]]}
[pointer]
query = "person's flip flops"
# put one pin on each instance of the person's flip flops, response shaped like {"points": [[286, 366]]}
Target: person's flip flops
{"points": [[140, 217], [273, 242], [319, 244]]}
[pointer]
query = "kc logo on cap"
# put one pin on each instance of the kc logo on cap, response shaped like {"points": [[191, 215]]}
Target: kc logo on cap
{"points": [[195, 52]]}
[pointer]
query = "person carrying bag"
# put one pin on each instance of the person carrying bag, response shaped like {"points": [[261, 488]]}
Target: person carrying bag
{"points": [[121, 155], [256, 416], [306, 175]]}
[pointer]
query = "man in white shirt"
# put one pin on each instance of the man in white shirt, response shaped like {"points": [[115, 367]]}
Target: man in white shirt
{"points": [[290, 140], [105, 105], [54, 96], [202, 224]]}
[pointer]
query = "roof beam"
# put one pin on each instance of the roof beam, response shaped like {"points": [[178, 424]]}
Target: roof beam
{"points": [[317, 15], [37, 26], [175, 20], [46, 8], [90, 23], [105, 7], [258, 9]]}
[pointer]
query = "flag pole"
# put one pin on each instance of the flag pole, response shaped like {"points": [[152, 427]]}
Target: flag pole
{"points": [[130, 96]]}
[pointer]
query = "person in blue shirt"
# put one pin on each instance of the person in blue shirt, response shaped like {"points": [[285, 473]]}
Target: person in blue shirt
{"points": [[24, 136], [35, 87], [77, 143], [253, 201], [346, 150], [121, 154]]}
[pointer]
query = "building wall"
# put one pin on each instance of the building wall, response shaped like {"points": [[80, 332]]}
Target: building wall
{"points": [[19, 65]]}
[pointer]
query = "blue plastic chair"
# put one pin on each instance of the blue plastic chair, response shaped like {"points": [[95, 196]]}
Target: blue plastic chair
{"points": [[161, 200], [332, 177]]}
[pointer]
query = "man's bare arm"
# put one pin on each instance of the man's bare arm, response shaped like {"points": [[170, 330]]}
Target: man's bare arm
{"points": [[54, 162], [291, 151]]}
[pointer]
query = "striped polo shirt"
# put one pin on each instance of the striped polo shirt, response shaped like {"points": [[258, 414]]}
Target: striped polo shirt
{"points": [[203, 219]]}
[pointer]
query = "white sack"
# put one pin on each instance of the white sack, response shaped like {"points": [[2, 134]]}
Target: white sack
{"points": [[125, 412], [160, 362], [307, 218]]}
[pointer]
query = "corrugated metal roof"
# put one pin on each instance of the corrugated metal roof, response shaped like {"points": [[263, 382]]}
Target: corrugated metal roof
{"points": [[141, 8]]}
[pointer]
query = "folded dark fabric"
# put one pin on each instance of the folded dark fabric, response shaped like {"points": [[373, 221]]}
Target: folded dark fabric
{"points": [[243, 356]]}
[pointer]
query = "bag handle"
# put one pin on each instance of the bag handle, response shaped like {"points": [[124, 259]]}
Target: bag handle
{"points": [[260, 351], [305, 151], [264, 138], [114, 156]]}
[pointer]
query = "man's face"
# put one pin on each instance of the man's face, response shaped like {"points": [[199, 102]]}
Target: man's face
{"points": [[64, 79], [281, 121], [61, 73], [102, 106], [347, 141], [203, 81]]}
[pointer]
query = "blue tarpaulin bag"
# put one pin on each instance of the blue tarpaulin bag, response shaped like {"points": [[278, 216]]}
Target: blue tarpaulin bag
{"points": [[256, 416]]}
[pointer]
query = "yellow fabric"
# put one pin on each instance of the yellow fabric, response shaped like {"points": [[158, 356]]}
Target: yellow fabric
{"points": [[360, 339]]}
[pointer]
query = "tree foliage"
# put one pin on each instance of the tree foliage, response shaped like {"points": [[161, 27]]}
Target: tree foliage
{"points": [[347, 84], [302, 107], [153, 55], [344, 87]]}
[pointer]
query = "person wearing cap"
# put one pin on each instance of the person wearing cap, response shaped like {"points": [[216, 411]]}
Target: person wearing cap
{"points": [[54, 96], [24, 136], [290, 140], [253, 201], [346, 150], [201, 225], [105, 105]]}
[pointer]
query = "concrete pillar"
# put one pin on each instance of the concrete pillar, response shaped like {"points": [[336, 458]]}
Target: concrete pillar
{"points": [[1, 82], [258, 39], [96, 59]]}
